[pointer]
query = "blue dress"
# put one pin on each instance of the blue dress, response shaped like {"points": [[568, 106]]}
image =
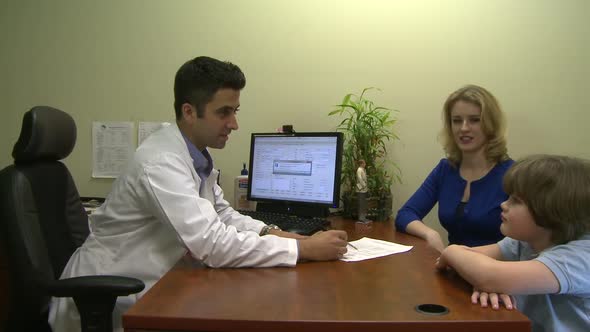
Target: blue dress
{"points": [[477, 222]]}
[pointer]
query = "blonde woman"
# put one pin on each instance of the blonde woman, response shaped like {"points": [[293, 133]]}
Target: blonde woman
{"points": [[467, 185]]}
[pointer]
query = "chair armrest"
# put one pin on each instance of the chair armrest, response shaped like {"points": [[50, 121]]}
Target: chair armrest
{"points": [[95, 297], [95, 285]]}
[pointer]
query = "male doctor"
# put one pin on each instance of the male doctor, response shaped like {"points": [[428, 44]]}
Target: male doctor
{"points": [[167, 202]]}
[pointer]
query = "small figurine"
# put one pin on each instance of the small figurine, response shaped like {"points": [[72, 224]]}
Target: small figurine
{"points": [[361, 191]]}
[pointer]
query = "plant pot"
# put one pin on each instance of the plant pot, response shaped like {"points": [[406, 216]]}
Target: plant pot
{"points": [[379, 208]]}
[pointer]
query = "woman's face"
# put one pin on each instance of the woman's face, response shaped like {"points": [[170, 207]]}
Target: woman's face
{"points": [[466, 127]]}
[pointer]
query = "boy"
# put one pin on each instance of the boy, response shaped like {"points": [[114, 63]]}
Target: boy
{"points": [[545, 258]]}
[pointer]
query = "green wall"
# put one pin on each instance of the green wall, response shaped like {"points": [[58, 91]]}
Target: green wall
{"points": [[115, 61]]}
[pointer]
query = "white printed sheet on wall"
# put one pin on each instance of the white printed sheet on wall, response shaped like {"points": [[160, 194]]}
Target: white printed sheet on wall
{"points": [[145, 128], [112, 147]]}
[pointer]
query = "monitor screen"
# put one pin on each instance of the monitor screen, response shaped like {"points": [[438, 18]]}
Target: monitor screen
{"points": [[297, 168]]}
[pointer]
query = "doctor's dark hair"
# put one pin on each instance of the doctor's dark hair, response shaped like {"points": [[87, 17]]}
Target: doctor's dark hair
{"points": [[199, 79], [556, 190]]}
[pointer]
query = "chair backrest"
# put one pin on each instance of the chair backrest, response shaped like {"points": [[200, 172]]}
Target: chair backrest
{"points": [[42, 220]]}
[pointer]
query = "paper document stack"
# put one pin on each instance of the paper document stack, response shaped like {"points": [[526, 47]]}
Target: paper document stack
{"points": [[367, 248]]}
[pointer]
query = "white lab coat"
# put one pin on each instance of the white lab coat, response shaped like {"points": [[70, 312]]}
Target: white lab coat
{"points": [[157, 210]]}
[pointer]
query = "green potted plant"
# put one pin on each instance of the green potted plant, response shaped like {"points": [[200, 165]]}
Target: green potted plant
{"points": [[367, 128]]}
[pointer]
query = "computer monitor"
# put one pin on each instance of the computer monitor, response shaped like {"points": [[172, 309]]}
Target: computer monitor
{"points": [[296, 173]]}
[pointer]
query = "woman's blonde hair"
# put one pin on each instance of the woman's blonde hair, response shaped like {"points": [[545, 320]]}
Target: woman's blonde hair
{"points": [[493, 124], [556, 190]]}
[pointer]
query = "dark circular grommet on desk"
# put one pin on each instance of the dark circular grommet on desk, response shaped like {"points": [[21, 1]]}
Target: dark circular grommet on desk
{"points": [[432, 309]]}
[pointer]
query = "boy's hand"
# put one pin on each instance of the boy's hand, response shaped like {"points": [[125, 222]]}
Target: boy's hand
{"points": [[493, 298], [441, 264]]}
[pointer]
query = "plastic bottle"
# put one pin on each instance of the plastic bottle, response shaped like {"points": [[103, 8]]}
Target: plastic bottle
{"points": [[241, 201]]}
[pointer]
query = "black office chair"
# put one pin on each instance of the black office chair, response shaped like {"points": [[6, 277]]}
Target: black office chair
{"points": [[42, 222]]}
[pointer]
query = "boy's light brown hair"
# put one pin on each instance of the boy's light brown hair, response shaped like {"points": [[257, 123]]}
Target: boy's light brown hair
{"points": [[556, 190]]}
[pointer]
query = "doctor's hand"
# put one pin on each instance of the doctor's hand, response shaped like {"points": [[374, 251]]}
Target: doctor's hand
{"points": [[287, 234], [494, 299], [323, 246]]}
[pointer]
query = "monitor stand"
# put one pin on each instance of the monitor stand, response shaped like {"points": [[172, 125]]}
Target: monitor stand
{"points": [[298, 209]]}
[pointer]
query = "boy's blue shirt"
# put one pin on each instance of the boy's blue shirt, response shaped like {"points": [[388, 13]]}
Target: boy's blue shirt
{"points": [[569, 309], [480, 223]]}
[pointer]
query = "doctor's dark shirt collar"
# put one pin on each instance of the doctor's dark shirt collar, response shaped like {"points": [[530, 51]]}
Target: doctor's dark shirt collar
{"points": [[201, 159]]}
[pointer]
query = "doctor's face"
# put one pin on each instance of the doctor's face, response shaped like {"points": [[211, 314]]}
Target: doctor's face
{"points": [[219, 119]]}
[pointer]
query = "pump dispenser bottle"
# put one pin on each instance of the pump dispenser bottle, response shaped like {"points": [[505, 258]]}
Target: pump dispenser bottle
{"points": [[241, 201]]}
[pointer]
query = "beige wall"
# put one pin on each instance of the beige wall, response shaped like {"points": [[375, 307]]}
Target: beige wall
{"points": [[115, 60]]}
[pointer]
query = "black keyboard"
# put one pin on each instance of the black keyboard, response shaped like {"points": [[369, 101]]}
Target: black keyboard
{"points": [[290, 223]]}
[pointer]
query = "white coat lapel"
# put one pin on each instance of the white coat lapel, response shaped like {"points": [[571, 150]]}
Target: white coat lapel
{"points": [[206, 190]]}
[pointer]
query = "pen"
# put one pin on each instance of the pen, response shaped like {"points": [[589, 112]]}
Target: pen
{"points": [[350, 244]]}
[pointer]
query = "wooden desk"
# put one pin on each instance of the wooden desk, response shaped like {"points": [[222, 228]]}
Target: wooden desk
{"points": [[372, 295]]}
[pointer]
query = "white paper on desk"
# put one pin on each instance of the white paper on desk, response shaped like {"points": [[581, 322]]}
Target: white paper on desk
{"points": [[112, 147], [368, 248], [144, 129]]}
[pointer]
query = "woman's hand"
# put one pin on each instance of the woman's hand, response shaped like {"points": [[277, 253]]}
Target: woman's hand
{"points": [[435, 241]]}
